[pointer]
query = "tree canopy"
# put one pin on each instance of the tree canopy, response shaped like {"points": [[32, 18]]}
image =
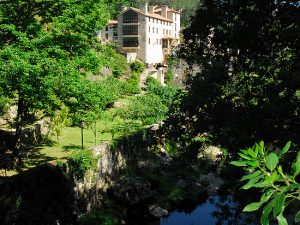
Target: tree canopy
{"points": [[47, 51], [248, 87]]}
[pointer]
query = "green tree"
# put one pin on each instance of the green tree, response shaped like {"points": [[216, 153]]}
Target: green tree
{"points": [[248, 87], [59, 120], [45, 48], [148, 108]]}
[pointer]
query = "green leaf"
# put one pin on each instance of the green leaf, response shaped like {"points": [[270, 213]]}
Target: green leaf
{"points": [[263, 184], [267, 195], [272, 161], [285, 149], [297, 217], [245, 156], [279, 204], [252, 207], [251, 175], [281, 171], [252, 182], [296, 165], [253, 163], [261, 147], [264, 219], [238, 163], [274, 176], [281, 220], [252, 153], [256, 149]]}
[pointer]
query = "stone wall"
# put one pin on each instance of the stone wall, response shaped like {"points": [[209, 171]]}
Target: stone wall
{"points": [[91, 190]]}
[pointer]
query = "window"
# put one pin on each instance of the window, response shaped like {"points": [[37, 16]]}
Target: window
{"points": [[152, 29], [170, 32], [157, 30], [130, 42], [149, 41], [149, 19], [130, 17], [149, 29], [153, 20], [166, 32], [160, 22], [165, 43], [160, 41], [175, 17], [163, 31], [130, 30]]}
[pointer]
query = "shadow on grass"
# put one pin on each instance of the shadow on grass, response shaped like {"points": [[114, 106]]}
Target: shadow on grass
{"points": [[71, 147], [35, 158], [46, 141]]}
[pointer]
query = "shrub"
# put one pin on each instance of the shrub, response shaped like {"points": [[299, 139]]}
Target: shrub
{"points": [[169, 76], [145, 107], [137, 66], [131, 86], [81, 162], [166, 93]]}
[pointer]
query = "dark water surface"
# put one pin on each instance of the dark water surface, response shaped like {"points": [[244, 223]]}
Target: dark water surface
{"points": [[215, 211]]}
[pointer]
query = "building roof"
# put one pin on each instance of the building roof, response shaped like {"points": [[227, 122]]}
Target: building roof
{"points": [[156, 16], [169, 10], [112, 22]]}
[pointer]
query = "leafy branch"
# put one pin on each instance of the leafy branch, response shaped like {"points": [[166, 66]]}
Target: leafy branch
{"points": [[279, 188]]}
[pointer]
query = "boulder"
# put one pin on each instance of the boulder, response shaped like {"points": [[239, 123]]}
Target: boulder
{"points": [[157, 211], [118, 105], [130, 191]]}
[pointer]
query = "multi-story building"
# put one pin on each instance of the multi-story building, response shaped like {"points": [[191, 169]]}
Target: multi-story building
{"points": [[147, 33]]}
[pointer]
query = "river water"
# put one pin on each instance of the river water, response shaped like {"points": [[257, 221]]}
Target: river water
{"points": [[214, 211]]}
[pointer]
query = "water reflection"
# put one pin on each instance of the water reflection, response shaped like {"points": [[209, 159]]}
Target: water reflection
{"points": [[215, 211]]}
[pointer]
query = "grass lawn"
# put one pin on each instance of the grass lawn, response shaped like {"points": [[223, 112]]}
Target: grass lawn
{"points": [[70, 141]]}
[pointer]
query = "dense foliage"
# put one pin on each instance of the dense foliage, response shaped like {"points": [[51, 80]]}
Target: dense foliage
{"points": [[49, 59], [279, 187], [248, 87]]}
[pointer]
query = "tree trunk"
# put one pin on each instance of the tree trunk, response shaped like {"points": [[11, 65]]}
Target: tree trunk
{"points": [[19, 125]]}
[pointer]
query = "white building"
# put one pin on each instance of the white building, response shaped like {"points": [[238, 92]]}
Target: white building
{"points": [[147, 34]]}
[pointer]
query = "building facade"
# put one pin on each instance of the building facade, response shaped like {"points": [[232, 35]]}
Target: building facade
{"points": [[148, 33], [110, 33]]}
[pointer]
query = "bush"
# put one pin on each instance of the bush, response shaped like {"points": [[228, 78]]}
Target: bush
{"points": [[152, 81], [166, 93], [137, 66], [81, 163], [146, 108], [109, 58], [131, 86], [169, 76]]}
